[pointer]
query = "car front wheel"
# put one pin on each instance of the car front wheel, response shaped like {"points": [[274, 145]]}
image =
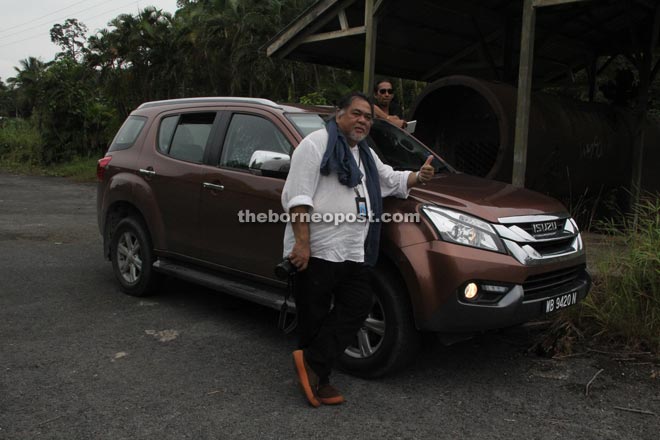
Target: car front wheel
{"points": [[132, 258], [388, 339]]}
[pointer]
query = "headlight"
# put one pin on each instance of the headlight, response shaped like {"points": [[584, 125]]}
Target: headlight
{"points": [[459, 228]]}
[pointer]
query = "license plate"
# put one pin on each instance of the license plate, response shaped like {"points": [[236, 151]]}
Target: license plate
{"points": [[560, 302]]}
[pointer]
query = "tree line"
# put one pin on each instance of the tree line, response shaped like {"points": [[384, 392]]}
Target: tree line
{"points": [[207, 48]]}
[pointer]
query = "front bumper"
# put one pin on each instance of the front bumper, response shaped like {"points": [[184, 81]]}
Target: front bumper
{"points": [[513, 308], [437, 272]]}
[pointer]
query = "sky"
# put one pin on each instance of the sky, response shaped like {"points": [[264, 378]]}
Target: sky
{"points": [[25, 24]]}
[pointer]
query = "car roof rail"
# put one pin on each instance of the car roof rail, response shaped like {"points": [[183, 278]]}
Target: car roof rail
{"points": [[211, 100]]}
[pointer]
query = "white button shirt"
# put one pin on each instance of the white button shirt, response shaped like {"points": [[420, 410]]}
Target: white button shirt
{"points": [[325, 195]]}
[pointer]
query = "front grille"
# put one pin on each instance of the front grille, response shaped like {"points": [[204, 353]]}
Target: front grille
{"points": [[553, 247], [531, 248], [538, 285]]}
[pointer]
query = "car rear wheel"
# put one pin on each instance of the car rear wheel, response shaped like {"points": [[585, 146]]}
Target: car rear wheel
{"points": [[388, 339], [132, 258]]}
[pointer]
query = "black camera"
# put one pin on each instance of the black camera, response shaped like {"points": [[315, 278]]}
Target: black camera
{"points": [[285, 269]]}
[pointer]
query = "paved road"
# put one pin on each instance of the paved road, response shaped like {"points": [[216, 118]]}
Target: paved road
{"points": [[80, 360]]}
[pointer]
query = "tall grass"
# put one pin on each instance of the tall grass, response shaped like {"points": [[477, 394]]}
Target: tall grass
{"points": [[80, 169], [20, 144], [21, 151], [624, 304]]}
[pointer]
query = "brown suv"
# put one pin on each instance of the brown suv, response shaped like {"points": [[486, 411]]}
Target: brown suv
{"points": [[181, 178]]}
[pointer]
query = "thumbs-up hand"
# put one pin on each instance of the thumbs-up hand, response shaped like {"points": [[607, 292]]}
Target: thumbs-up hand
{"points": [[426, 172]]}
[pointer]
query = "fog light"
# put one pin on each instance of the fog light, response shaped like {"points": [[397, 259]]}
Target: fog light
{"points": [[494, 288], [471, 291]]}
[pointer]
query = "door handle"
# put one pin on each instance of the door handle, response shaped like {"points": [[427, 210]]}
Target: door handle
{"points": [[149, 172], [213, 186]]}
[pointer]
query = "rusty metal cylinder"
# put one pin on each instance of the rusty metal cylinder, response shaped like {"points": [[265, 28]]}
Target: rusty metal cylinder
{"points": [[574, 148]]}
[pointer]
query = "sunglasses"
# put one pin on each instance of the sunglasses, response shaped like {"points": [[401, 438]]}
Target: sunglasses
{"points": [[383, 91]]}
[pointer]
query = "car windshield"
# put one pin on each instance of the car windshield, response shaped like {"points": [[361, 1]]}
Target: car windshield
{"points": [[306, 123], [394, 147], [398, 149]]}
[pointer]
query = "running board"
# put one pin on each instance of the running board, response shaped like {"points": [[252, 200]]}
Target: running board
{"points": [[248, 290]]}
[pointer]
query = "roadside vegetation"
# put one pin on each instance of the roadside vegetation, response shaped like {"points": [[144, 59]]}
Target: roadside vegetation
{"points": [[21, 149], [81, 170], [20, 143], [623, 308]]}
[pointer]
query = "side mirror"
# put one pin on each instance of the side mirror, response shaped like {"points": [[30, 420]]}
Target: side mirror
{"points": [[270, 163]]}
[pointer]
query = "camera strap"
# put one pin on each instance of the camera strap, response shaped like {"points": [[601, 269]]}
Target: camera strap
{"points": [[284, 309]]}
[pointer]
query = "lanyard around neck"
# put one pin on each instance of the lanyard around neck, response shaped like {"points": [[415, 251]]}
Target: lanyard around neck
{"points": [[355, 188]]}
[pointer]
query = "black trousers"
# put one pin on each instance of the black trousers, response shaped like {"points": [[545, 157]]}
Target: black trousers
{"points": [[325, 332]]}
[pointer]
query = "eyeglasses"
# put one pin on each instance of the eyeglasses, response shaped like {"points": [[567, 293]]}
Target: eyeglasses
{"points": [[389, 91]]}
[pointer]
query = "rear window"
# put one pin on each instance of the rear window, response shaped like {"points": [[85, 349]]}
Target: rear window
{"points": [[128, 133]]}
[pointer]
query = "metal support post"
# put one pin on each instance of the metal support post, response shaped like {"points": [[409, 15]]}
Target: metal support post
{"points": [[370, 24], [524, 93]]}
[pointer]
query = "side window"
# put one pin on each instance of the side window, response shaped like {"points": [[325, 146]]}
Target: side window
{"points": [[128, 133], [165, 133], [250, 137], [185, 136]]}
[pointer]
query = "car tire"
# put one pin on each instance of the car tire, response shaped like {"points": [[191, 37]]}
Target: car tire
{"points": [[388, 341], [132, 258]]}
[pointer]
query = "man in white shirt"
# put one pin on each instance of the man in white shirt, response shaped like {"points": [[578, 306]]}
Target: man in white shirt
{"points": [[335, 173]]}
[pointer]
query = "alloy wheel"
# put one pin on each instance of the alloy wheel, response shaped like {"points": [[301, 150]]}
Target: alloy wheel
{"points": [[370, 337], [129, 258]]}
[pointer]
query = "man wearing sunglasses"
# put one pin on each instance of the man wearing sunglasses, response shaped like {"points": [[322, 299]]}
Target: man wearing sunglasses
{"points": [[385, 108]]}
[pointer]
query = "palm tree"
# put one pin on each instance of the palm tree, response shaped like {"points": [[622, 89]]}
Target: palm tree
{"points": [[27, 83]]}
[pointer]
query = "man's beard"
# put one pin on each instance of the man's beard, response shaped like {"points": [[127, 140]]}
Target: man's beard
{"points": [[356, 137]]}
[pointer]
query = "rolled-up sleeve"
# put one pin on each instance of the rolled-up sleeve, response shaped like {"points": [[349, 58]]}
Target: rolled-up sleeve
{"points": [[392, 183], [303, 178]]}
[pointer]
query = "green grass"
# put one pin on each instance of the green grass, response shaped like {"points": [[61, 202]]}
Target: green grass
{"points": [[21, 151], [623, 307], [20, 143], [78, 169]]}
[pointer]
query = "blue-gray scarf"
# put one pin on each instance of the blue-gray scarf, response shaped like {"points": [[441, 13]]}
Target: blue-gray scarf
{"points": [[338, 159]]}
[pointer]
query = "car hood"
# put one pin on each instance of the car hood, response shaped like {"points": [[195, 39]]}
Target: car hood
{"points": [[487, 199]]}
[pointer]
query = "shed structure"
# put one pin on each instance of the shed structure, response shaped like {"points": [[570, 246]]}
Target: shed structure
{"points": [[528, 43]]}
